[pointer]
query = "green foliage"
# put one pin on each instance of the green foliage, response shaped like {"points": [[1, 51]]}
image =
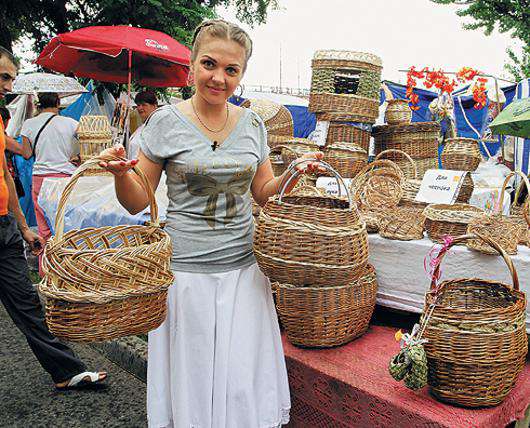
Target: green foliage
{"points": [[507, 16]]}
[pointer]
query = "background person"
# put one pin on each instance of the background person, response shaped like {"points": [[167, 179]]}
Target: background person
{"points": [[146, 103]]}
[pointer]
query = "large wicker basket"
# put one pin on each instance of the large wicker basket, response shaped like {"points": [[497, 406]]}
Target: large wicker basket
{"points": [[448, 220], [461, 154], [346, 159], [398, 112], [107, 282], [310, 240], [419, 139], [476, 336], [277, 118], [354, 133], [327, 316]]}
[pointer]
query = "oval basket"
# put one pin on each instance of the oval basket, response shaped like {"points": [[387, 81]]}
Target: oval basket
{"points": [[310, 240], [476, 335], [398, 111], [277, 118], [448, 220], [461, 154], [327, 316], [108, 282]]}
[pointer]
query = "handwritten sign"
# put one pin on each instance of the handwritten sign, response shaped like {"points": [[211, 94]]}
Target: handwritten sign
{"points": [[331, 187], [440, 186], [320, 134]]}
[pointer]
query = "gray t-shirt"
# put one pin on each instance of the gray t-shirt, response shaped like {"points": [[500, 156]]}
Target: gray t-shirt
{"points": [[209, 217]]}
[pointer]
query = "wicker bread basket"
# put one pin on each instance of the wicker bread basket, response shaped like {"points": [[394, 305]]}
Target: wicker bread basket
{"points": [[310, 240], [107, 282], [448, 220], [476, 335], [327, 316], [277, 118]]}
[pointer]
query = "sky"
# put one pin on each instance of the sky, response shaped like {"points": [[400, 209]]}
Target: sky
{"points": [[401, 32]]}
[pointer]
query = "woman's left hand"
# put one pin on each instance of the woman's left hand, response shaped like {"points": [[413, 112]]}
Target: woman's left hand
{"points": [[306, 164]]}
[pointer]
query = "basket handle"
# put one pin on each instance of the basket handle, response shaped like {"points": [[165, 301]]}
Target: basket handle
{"points": [[282, 147], [293, 173], [91, 163], [525, 181], [407, 156], [487, 240]]}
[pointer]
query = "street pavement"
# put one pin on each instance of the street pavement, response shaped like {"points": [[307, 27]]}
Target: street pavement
{"points": [[28, 398]]}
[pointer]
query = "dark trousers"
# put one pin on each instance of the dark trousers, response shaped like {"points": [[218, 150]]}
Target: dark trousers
{"points": [[23, 306]]}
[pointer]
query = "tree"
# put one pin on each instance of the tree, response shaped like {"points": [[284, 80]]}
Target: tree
{"points": [[508, 16]]}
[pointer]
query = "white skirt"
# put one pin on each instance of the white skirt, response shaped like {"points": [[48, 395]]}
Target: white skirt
{"points": [[217, 360]]}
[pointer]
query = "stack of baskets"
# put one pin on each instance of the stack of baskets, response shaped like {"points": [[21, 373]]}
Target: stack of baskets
{"points": [[314, 248], [94, 134], [345, 92]]}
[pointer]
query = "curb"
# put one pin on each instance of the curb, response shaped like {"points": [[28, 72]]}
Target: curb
{"points": [[130, 353]]}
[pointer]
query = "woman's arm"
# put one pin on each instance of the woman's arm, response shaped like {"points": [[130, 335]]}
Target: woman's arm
{"points": [[127, 183], [23, 149], [265, 184]]}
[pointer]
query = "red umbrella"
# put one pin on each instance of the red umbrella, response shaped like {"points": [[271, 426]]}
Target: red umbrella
{"points": [[117, 54]]}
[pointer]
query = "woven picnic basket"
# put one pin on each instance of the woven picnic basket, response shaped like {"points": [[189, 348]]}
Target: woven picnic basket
{"points": [[315, 240], [277, 118], [476, 335], [327, 316], [346, 159], [448, 220], [497, 227], [419, 139], [354, 133], [340, 103], [461, 154], [398, 112], [107, 282]]}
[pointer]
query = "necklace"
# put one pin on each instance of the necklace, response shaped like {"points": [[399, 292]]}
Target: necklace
{"points": [[215, 131]]}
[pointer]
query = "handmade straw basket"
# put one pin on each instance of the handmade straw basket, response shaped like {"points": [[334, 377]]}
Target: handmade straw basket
{"points": [[355, 133], [448, 220], [461, 154], [497, 227], [466, 190], [366, 116], [398, 112], [365, 108], [402, 223], [402, 160], [346, 159], [94, 136], [310, 240], [476, 337], [419, 139], [346, 72], [104, 283], [277, 118], [327, 316]]}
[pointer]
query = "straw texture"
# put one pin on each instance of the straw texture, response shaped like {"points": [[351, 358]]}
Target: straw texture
{"points": [[398, 112], [461, 154], [448, 220], [277, 118]]}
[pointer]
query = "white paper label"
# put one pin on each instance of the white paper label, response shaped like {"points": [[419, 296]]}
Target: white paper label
{"points": [[331, 187], [440, 186], [320, 134]]}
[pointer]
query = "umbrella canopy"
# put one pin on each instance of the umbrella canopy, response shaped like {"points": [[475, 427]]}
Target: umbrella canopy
{"points": [[102, 53], [46, 82], [513, 120]]}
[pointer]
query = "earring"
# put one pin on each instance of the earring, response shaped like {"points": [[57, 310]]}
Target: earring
{"points": [[241, 88], [190, 80]]}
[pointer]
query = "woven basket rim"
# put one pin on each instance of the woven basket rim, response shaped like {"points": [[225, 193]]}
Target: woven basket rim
{"points": [[406, 127], [456, 213], [337, 54]]}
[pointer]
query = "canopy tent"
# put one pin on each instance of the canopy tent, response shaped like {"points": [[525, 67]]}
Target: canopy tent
{"points": [[88, 103]]}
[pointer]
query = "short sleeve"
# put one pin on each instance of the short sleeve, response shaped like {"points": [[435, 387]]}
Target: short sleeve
{"points": [[152, 140], [26, 130], [263, 145]]}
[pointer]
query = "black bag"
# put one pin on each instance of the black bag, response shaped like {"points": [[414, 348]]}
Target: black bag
{"points": [[14, 173]]}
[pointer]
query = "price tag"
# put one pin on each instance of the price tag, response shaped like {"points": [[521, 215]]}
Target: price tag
{"points": [[440, 186], [331, 187], [320, 134]]}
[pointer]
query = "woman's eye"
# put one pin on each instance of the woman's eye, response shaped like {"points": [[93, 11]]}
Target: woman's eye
{"points": [[208, 64], [232, 71]]}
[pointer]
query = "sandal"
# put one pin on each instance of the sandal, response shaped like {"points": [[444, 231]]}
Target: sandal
{"points": [[80, 381]]}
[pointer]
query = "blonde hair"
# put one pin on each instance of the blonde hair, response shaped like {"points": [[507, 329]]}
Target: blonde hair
{"points": [[221, 29]]}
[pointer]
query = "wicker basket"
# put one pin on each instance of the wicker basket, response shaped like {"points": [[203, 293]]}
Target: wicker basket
{"points": [[400, 158], [316, 240], [339, 103], [346, 159], [94, 135], [398, 112], [346, 72], [461, 154], [448, 220], [422, 165], [108, 282], [277, 118], [419, 139], [476, 336], [402, 223], [327, 316], [278, 156], [353, 133]]}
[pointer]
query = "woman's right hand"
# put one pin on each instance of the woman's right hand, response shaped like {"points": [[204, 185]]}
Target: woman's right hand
{"points": [[118, 168]]}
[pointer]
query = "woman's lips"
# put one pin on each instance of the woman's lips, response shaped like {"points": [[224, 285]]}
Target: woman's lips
{"points": [[216, 90]]}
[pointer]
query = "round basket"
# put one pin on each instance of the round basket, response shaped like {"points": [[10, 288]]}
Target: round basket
{"points": [[448, 220], [398, 112], [344, 103], [353, 133], [327, 316], [310, 240], [461, 154], [108, 282], [346, 159], [476, 336], [277, 118], [419, 139], [402, 223]]}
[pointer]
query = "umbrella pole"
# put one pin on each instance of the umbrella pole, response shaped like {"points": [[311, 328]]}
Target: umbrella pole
{"points": [[126, 121]]}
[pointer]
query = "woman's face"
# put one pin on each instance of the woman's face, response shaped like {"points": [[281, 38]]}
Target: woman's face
{"points": [[218, 69], [145, 109]]}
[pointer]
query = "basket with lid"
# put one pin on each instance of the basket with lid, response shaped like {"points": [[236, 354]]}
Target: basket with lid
{"points": [[316, 239], [107, 282], [476, 335]]}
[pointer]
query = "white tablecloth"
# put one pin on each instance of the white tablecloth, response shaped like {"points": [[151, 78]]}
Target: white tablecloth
{"points": [[403, 281]]}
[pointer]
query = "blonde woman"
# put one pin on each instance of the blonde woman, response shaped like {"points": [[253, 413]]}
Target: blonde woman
{"points": [[217, 360]]}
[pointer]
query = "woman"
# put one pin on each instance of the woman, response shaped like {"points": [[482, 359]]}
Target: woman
{"points": [[217, 360], [146, 103]]}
